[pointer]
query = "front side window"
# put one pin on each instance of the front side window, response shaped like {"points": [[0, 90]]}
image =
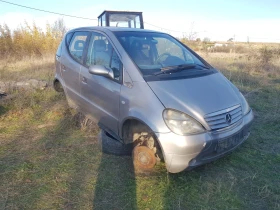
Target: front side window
{"points": [[77, 45], [116, 66], [152, 52], [101, 52]]}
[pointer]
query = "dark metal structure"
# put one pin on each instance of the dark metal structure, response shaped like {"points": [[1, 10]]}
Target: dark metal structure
{"points": [[121, 19]]}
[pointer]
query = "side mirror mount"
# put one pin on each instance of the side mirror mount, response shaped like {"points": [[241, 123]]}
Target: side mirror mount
{"points": [[101, 71]]}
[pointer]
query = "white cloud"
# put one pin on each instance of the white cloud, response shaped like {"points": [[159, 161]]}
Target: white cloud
{"points": [[220, 30], [14, 19]]}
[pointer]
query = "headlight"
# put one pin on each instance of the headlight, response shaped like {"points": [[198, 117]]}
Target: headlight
{"points": [[181, 123], [245, 106]]}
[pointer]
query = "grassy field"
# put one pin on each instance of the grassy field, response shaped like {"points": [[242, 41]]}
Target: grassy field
{"points": [[49, 159]]}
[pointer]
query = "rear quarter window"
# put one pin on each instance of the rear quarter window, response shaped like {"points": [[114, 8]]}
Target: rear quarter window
{"points": [[77, 45], [58, 52], [68, 38]]}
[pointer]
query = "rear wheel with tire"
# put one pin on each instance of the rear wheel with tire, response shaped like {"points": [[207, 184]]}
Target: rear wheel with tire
{"points": [[58, 87]]}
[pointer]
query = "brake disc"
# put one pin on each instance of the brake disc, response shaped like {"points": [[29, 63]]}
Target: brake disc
{"points": [[143, 157]]}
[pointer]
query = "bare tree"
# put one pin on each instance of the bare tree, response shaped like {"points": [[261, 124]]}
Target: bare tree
{"points": [[59, 28], [192, 34]]}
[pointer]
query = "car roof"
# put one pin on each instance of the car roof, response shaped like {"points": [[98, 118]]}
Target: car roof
{"points": [[113, 29]]}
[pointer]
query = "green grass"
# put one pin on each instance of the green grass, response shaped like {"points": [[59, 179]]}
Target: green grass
{"points": [[48, 160]]}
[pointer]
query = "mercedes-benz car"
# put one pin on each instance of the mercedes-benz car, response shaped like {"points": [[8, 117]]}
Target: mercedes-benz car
{"points": [[153, 95]]}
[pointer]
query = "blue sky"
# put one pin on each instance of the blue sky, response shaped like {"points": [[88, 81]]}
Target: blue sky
{"points": [[216, 19]]}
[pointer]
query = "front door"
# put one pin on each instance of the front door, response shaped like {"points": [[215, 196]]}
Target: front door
{"points": [[101, 95]]}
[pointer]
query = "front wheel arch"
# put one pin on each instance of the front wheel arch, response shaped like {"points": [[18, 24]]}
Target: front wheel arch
{"points": [[130, 125], [134, 125]]}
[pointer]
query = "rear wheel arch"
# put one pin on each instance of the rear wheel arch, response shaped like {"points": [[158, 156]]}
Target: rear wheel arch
{"points": [[57, 85]]}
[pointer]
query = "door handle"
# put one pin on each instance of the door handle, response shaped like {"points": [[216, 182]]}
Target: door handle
{"points": [[63, 68], [84, 80]]}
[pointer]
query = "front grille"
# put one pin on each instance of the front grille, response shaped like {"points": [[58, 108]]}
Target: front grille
{"points": [[218, 120]]}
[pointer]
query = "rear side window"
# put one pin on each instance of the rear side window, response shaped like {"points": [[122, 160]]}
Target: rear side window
{"points": [[77, 45]]}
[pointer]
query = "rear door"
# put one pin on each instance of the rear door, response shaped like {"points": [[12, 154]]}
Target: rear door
{"points": [[71, 65], [101, 95]]}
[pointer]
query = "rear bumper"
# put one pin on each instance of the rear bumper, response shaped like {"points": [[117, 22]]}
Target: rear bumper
{"points": [[186, 152]]}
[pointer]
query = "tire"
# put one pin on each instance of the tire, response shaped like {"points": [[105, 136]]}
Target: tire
{"points": [[109, 145], [58, 87]]}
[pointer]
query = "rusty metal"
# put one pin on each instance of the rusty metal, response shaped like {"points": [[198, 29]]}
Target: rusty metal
{"points": [[143, 157]]}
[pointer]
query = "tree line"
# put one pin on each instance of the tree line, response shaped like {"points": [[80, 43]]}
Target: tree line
{"points": [[30, 40]]}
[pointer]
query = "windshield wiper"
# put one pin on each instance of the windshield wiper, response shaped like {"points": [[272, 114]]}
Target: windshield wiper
{"points": [[172, 69], [203, 66]]}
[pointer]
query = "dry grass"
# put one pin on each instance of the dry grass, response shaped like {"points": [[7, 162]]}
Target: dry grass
{"points": [[13, 69], [51, 160], [247, 72]]}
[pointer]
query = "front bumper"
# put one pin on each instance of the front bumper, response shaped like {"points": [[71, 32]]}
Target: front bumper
{"points": [[185, 152]]}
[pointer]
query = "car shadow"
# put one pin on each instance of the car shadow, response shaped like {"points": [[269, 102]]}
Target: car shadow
{"points": [[115, 185]]}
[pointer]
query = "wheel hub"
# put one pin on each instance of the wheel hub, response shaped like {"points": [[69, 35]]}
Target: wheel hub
{"points": [[143, 157]]}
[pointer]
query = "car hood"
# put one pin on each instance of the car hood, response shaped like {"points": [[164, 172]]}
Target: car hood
{"points": [[196, 96]]}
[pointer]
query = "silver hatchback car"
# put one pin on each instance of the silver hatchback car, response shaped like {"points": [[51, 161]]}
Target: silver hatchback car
{"points": [[151, 94]]}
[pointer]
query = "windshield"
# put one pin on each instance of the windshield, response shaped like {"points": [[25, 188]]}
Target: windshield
{"points": [[153, 52]]}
